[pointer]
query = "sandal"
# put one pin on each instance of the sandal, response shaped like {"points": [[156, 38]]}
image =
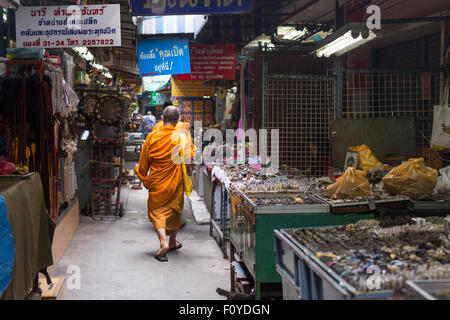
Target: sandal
{"points": [[178, 246], [161, 258]]}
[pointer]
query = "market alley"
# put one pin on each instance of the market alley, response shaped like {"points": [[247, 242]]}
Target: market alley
{"points": [[116, 258]]}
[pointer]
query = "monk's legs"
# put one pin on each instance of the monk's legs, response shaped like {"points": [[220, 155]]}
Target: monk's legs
{"points": [[164, 247], [173, 239]]}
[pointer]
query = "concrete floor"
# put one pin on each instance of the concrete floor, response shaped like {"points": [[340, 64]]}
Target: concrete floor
{"points": [[116, 259]]}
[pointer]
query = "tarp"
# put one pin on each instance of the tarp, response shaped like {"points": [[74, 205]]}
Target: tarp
{"points": [[32, 228], [6, 248]]}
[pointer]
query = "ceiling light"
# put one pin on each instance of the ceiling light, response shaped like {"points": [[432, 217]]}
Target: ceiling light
{"points": [[84, 53], [345, 39], [294, 34]]}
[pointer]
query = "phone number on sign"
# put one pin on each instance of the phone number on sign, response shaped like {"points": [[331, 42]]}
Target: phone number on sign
{"points": [[69, 42]]}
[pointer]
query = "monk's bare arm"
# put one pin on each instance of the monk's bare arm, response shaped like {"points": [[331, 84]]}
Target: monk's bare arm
{"points": [[144, 163]]}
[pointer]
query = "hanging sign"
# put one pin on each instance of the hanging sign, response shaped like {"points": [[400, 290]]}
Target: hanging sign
{"points": [[155, 83], [189, 88], [68, 26], [160, 98], [163, 56], [217, 62], [184, 7]]}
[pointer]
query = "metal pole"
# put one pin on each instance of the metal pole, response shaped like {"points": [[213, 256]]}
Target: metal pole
{"points": [[263, 85], [243, 116], [339, 86]]}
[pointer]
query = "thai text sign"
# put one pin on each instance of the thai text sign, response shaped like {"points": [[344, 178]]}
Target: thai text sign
{"points": [[163, 56], [68, 26], [216, 62], [191, 88], [181, 7]]}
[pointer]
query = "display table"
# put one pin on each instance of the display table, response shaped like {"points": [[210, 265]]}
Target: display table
{"points": [[32, 228], [252, 244]]}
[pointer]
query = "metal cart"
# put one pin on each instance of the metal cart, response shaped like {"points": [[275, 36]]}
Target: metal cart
{"points": [[106, 174]]}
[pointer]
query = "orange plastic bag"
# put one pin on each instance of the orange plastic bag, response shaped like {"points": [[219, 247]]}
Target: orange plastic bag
{"points": [[353, 183], [412, 179], [366, 158]]}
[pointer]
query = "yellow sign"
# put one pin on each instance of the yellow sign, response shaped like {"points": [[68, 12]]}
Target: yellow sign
{"points": [[198, 106], [191, 88]]}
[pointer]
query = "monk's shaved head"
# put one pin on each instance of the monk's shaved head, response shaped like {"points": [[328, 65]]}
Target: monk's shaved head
{"points": [[171, 114]]}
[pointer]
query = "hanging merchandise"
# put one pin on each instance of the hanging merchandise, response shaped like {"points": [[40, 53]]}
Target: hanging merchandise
{"points": [[29, 114], [222, 92], [440, 138], [353, 183], [108, 110], [412, 179], [105, 114], [87, 105], [69, 67]]}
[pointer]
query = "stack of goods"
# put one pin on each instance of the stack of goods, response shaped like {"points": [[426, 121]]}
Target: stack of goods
{"points": [[298, 199], [370, 179], [207, 113], [186, 114], [198, 111], [270, 186], [252, 181], [367, 249], [353, 187]]}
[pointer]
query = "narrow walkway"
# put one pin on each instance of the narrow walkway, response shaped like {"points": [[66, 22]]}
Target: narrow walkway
{"points": [[116, 259]]}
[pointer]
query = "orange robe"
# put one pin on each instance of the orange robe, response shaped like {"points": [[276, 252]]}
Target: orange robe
{"points": [[181, 127], [165, 182]]}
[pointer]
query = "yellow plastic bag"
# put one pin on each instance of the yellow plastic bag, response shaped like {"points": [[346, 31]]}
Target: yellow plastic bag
{"points": [[366, 159], [412, 179], [186, 179], [353, 183]]}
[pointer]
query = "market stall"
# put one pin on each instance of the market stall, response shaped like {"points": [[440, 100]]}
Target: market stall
{"points": [[37, 154], [247, 206], [372, 259]]}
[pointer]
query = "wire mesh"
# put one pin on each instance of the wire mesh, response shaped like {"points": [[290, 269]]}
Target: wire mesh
{"points": [[106, 169], [300, 108], [392, 94]]}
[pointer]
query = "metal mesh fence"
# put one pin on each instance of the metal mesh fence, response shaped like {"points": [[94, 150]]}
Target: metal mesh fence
{"points": [[300, 108], [392, 94]]}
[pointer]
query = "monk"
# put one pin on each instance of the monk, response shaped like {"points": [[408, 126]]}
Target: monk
{"points": [[181, 127], [165, 180]]}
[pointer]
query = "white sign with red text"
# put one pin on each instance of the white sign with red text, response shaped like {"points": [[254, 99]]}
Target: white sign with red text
{"points": [[68, 26]]}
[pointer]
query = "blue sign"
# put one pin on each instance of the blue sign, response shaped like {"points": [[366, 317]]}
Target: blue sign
{"points": [[181, 7], [163, 57]]}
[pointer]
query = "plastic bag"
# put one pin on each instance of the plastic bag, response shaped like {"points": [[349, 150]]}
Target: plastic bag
{"points": [[366, 159], [412, 179], [443, 181], [353, 183], [6, 167]]}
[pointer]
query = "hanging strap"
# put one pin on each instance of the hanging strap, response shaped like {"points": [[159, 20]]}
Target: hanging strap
{"points": [[446, 92]]}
